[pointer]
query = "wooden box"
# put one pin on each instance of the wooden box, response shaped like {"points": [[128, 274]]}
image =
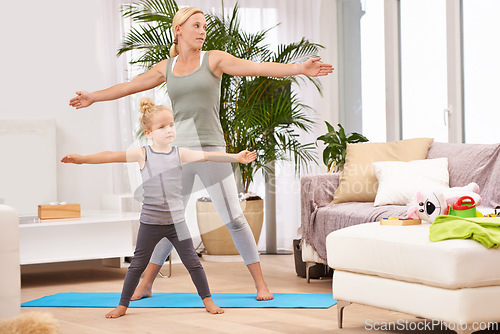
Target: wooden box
{"points": [[400, 221], [59, 211]]}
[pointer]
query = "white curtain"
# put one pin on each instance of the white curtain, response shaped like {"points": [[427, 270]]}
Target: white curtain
{"points": [[297, 18], [124, 179]]}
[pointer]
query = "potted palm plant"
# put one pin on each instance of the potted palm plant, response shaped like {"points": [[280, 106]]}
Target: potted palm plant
{"points": [[257, 113], [336, 145]]}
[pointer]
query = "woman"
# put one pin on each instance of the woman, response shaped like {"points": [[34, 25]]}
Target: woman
{"points": [[193, 82]]}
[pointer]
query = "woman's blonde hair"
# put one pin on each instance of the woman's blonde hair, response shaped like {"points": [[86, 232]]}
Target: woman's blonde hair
{"points": [[180, 17], [147, 110]]}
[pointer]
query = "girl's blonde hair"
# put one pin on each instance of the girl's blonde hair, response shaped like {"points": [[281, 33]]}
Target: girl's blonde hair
{"points": [[147, 110], [180, 17]]}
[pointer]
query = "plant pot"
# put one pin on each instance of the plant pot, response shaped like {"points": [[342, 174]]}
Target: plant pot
{"points": [[216, 236]]}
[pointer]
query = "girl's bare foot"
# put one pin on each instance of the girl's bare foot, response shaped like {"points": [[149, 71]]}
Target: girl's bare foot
{"points": [[264, 294], [117, 312], [211, 307], [142, 292]]}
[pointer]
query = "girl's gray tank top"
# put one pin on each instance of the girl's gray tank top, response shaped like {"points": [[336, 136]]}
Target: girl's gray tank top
{"points": [[195, 100], [162, 185]]}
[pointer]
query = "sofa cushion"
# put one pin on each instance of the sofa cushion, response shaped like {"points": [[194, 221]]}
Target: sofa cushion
{"points": [[358, 182], [399, 181], [467, 163], [406, 253]]}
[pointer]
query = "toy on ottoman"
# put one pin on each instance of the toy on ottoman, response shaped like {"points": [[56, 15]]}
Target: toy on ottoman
{"points": [[430, 204]]}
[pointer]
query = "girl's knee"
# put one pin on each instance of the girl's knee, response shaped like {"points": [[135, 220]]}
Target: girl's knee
{"points": [[193, 266], [137, 267]]}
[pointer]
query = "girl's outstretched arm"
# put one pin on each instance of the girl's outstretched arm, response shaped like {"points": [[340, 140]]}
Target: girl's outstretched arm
{"points": [[224, 62], [98, 158], [243, 157], [132, 155]]}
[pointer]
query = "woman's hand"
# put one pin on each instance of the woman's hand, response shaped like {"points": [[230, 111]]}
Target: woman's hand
{"points": [[314, 68], [73, 159], [246, 157], [81, 100]]}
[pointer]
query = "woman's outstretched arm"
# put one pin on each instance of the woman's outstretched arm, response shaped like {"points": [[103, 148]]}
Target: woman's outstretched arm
{"points": [[152, 78], [224, 62]]}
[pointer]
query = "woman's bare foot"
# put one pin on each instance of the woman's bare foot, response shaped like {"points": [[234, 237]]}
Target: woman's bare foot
{"points": [[145, 287], [262, 290], [211, 307], [264, 294], [142, 291], [117, 312]]}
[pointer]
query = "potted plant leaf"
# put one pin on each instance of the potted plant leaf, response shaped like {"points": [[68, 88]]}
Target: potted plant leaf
{"points": [[256, 113], [336, 145]]}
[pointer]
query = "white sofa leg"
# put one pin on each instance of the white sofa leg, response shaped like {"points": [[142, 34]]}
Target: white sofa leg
{"points": [[340, 311]]}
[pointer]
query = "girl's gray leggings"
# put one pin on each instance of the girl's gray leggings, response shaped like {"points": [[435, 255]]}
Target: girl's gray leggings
{"points": [[147, 237], [219, 181]]}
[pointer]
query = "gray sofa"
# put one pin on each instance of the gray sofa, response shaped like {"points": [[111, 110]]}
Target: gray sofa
{"points": [[467, 163]]}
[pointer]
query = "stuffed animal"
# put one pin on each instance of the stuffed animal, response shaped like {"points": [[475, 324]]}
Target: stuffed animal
{"points": [[430, 204]]}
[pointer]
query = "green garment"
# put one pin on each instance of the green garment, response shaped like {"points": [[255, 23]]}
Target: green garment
{"points": [[485, 230]]}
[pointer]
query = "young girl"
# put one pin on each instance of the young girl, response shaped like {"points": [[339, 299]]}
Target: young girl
{"points": [[162, 213]]}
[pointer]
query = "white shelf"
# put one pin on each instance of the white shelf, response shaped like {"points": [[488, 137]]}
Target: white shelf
{"points": [[96, 235]]}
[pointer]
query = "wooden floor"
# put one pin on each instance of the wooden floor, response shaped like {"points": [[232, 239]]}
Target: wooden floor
{"points": [[279, 271]]}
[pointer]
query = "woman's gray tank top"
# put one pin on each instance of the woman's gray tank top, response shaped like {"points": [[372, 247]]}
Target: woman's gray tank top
{"points": [[195, 100], [161, 182]]}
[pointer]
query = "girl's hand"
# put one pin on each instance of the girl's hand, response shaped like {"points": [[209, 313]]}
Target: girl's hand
{"points": [[313, 68], [73, 159], [81, 100], [246, 157]]}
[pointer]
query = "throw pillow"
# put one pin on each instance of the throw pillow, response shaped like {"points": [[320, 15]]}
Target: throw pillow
{"points": [[358, 182], [399, 181]]}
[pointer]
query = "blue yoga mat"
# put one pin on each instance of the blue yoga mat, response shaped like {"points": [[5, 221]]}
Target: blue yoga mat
{"points": [[184, 300]]}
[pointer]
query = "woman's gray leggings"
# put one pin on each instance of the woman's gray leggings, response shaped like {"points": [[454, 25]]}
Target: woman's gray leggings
{"points": [[147, 238], [219, 181]]}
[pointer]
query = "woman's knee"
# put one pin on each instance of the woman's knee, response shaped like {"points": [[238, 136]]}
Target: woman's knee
{"points": [[161, 251], [238, 223]]}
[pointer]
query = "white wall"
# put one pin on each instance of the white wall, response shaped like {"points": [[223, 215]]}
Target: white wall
{"points": [[50, 49]]}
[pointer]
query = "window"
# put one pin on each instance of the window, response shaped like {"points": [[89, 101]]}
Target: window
{"points": [[373, 71], [481, 70], [423, 68], [430, 44]]}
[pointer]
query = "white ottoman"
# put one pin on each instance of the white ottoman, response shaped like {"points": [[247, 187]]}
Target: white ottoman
{"points": [[10, 278], [398, 268]]}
